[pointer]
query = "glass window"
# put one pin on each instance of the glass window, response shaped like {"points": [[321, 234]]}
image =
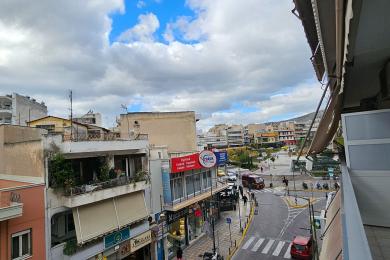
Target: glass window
{"points": [[189, 185], [21, 244], [205, 181], [197, 182]]}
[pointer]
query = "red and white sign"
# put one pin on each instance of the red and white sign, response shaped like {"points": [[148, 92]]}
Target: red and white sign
{"points": [[207, 159], [185, 163]]}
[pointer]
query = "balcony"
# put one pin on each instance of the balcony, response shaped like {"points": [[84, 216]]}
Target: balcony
{"points": [[198, 196], [10, 210], [90, 193]]}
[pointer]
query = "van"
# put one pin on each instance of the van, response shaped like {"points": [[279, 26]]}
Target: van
{"points": [[252, 181]]}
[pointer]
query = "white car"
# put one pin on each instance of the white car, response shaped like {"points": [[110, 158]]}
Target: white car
{"points": [[231, 176]]}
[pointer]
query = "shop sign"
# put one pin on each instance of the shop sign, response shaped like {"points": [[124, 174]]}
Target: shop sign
{"points": [[222, 158], [185, 163], [173, 216], [207, 159], [125, 249], [116, 237], [140, 241]]}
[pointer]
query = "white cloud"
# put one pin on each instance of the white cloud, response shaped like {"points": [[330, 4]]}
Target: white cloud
{"points": [[141, 4], [229, 52], [143, 31]]}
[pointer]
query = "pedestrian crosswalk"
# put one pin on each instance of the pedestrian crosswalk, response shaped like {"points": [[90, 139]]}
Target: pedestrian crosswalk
{"points": [[263, 190], [268, 246]]}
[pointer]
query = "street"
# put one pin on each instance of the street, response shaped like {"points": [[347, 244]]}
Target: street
{"points": [[274, 227]]}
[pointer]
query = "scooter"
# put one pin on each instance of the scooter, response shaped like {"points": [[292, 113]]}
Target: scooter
{"points": [[325, 186], [211, 256], [319, 186]]}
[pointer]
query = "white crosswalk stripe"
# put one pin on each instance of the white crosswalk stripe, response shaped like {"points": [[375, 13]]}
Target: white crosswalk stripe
{"points": [[258, 244], [248, 243], [287, 254], [278, 248], [268, 246]]}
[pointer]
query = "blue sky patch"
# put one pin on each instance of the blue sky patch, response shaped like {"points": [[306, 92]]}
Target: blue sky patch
{"points": [[166, 11]]}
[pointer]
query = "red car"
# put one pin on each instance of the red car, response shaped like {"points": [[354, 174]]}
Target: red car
{"points": [[301, 248]]}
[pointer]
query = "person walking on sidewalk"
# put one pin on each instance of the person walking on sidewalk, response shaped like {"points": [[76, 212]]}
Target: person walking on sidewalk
{"points": [[245, 199], [179, 254], [241, 191]]}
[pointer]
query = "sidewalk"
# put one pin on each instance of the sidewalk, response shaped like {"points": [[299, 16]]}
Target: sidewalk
{"points": [[222, 238]]}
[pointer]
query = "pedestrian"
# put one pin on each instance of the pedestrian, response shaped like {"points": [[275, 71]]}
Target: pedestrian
{"points": [[261, 169], [241, 190], [286, 183], [179, 254], [249, 186], [245, 199], [253, 196]]}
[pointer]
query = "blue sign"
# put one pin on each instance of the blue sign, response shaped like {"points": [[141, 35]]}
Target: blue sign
{"points": [[330, 172], [222, 158], [228, 220], [166, 182], [116, 238]]}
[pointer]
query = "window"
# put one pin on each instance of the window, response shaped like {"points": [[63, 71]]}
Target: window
{"points": [[49, 128], [177, 185], [21, 245], [62, 228]]}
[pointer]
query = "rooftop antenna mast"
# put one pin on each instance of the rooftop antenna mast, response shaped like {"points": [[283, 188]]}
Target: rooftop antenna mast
{"points": [[71, 114]]}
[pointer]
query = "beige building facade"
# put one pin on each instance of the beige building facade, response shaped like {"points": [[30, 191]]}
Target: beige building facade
{"points": [[177, 130]]}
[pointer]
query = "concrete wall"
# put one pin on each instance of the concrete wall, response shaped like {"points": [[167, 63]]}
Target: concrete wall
{"points": [[33, 218], [21, 151], [25, 109], [177, 130]]}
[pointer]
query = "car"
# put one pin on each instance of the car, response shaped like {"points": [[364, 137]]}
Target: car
{"points": [[301, 248], [252, 181], [231, 176]]}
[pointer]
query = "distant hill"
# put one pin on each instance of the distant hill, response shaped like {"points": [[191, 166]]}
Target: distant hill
{"points": [[304, 118]]}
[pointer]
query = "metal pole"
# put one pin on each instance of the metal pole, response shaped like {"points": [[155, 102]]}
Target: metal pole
{"points": [[214, 249], [239, 212], [230, 234]]}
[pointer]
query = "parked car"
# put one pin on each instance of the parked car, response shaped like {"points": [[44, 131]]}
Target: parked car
{"points": [[231, 177], [252, 181], [301, 248]]}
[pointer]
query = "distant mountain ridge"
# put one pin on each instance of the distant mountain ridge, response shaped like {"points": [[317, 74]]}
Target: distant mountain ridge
{"points": [[303, 119]]}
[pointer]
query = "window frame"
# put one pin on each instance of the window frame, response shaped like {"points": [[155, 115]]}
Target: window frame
{"points": [[29, 244]]}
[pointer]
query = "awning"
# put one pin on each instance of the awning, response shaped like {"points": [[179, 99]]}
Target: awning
{"points": [[97, 219], [329, 123]]}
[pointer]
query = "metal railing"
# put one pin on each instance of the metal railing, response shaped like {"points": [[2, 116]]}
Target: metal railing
{"points": [[217, 184], [87, 188], [81, 137]]}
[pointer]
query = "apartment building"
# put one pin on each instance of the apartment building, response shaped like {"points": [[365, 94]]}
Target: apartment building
{"points": [[211, 140], [90, 118], [94, 189], [349, 42], [250, 131], [287, 136], [22, 220], [190, 185], [16, 109], [74, 131], [235, 135], [162, 128]]}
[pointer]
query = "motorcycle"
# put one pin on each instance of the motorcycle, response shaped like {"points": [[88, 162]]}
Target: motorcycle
{"points": [[211, 256], [325, 186], [319, 186], [304, 185]]}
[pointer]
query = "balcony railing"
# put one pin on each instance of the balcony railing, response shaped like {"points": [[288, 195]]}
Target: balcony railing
{"points": [[215, 187], [87, 188], [80, 137]]}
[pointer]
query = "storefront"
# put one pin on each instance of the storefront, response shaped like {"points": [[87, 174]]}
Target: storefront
{"points": [[177, 231]]}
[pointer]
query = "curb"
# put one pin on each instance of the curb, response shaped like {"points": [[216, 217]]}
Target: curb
{"points": [[314, 190], [229, 257], [292, 205]]}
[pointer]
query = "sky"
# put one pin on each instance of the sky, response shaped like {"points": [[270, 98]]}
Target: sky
{"points": [[229, 61]]}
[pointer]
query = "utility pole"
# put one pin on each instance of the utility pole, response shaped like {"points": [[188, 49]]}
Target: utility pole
{"points": [[71, 114]]}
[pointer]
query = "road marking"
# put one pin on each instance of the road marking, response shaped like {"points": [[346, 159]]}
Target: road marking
{"points": [[268, 246], [248, 243], [258, 244], [287, 254], [278, 248]]}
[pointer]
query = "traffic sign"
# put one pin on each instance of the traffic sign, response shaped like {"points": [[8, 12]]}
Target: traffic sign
{"points": [[330, 172], [228, 220]]}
